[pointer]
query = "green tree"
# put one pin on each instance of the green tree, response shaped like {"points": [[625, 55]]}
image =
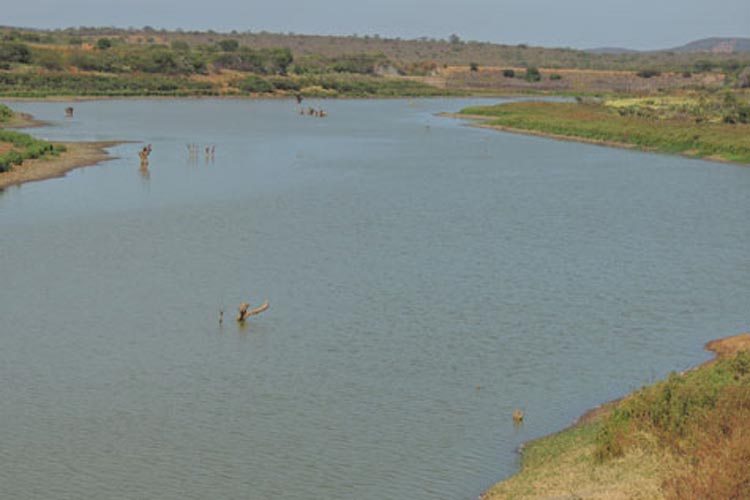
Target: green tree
{"points": [[532, 75], [180, 45], [229, 45], [48, 59], [103, 43], [15, 52], [255, 84]]}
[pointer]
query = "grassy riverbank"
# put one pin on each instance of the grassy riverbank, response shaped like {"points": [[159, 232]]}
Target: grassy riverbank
{"points": [[227, 84], [24, 158], [685, 437], [636, 125], [17, 147]]}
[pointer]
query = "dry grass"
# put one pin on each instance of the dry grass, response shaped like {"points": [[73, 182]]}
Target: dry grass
{"points": [[563, 467], [575, 80], [719, 465]]}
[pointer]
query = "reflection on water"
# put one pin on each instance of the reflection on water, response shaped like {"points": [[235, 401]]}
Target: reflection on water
{"points": [[426, 278], [145, 172]]}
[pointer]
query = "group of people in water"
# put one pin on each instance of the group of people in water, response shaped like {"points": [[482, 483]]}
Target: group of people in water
{"points": [[194, 151], [310, 111]]}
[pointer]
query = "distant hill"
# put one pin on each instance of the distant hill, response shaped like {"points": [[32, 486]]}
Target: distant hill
{"points": [[135, 49], [715, 45]]}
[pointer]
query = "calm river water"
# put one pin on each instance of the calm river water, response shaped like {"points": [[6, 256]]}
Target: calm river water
{"points": [[425, 278]]}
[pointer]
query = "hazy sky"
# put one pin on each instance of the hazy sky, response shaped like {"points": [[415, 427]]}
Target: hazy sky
{"points": [[638, 24]]}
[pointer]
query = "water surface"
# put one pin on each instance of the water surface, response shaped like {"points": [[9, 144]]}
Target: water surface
{"points": [[425, 278]]}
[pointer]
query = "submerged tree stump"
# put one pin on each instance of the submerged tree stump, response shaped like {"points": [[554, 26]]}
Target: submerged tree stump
{"points": [[245, 313]]}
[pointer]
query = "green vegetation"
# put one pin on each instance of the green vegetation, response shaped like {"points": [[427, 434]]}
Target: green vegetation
{"points": [[24, 147], [598, 122], [686, 437], [5, 113], [362, 64], [114, 62], [704, 415], [255, 84], [363, 86], [648, 73], [727, 107], [15, 147], [68, 84], [532, 75]]}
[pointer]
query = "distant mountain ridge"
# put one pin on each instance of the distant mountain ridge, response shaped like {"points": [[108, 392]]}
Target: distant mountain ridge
{"points": [[715, 45]]}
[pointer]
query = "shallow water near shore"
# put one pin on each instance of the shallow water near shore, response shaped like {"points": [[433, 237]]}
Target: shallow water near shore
{"points": [[425, 279]]}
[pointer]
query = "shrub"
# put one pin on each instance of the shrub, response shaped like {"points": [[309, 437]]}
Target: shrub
{"points": [[676, 410], [18, 84], [284, 83], [15, 52], [254, 84], [509, 73], [179, 45], [474, 66], [648, 73], [5, 113], [532, 75], [555, 76], [49, 59], [703, 66], [103, 43], [25, 147], [229, 45]]}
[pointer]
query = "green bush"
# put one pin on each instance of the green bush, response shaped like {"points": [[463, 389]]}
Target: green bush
{"points": [[229, 45], [25, 147], [40, 85], [671, 409], [103, 43], [555, 76], [13, 52], [284, 83], [5, 113], [648, 73], [509, 73], [48, 59], [255, 84], [532, 75], [703, 66]]}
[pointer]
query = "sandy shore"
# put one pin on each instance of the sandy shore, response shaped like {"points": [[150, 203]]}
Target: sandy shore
{"points": [[22, 120], [78, 154]]}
